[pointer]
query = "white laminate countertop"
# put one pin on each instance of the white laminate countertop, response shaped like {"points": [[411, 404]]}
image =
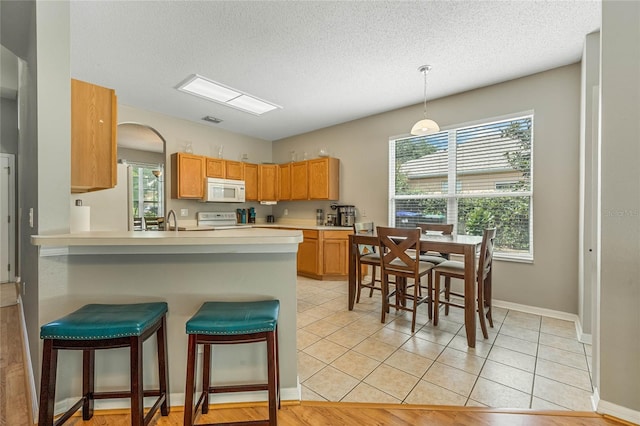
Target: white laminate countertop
{"points": [[244, 240]]}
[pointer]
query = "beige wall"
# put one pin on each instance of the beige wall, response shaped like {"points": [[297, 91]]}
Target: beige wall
{"points": [[554, 96], [204, 139], [619, 290]]}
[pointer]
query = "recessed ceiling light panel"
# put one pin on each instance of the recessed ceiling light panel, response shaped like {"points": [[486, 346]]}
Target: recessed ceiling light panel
{"points": [[208, 89]]}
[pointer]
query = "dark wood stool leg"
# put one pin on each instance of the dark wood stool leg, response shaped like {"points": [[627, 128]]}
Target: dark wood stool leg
{"points": [[48, 384], [277, 367], [206, 377], [137, 401], [88, 382], [272, 381], [191, 383], [163, 367]]}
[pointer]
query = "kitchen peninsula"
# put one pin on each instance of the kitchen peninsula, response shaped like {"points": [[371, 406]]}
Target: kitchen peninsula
{"points": [[184, 269]]}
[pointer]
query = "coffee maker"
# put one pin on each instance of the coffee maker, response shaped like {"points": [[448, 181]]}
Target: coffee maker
{"points": [[346, 215]]}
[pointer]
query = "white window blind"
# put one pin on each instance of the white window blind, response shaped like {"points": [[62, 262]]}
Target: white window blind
{"points": [[474, 176]]}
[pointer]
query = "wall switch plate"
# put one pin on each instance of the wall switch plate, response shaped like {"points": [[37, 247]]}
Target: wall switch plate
{"points": [[184, 212]]}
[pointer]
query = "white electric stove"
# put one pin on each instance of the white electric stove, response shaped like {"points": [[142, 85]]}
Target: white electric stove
{"points": [[218, 220]]}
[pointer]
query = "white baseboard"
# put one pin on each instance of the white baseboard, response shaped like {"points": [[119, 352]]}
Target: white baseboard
{"points": [[614, 410], [31, 381], [565, 316]]}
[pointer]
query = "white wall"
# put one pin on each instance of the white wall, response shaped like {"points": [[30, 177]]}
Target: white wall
{"points": [[362, 147]]}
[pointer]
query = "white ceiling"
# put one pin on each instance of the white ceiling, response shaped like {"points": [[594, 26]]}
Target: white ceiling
{"points": [[324, 62]]}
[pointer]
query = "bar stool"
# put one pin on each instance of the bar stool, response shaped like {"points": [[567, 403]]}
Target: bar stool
{"points": [[105, 326], [228, 323]]}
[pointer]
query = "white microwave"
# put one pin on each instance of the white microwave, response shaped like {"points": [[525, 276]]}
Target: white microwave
{"points": [[224, 191]]}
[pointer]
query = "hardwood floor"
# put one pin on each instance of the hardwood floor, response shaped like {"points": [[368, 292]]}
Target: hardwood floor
{"points": [[337, 413], [14, 409]]}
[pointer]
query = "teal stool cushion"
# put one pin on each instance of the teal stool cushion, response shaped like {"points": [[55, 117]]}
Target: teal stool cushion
{"points": [[225, 318], [98, 321]]}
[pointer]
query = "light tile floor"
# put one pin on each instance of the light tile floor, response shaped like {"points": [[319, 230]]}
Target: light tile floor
{"points": [[529, 361]]}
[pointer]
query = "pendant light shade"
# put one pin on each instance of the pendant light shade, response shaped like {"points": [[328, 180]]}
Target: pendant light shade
{"points": [[425, 126]]}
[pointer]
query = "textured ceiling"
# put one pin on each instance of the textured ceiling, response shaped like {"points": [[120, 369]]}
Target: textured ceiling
{"points": [[324, 62]]}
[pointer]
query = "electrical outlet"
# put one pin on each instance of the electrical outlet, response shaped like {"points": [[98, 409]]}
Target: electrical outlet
{"points": [[363, 213], [184, 212], [31, 217], [286, 212]]}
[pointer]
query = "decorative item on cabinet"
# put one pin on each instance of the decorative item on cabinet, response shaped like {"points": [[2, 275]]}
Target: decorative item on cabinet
{"points": [[93, 137]]}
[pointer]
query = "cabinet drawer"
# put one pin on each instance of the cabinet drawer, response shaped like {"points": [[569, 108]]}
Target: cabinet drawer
{"points": [[307, 233], [341, 235]]}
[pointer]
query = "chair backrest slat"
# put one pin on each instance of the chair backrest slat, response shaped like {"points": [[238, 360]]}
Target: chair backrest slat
{"points": [[486, 253]]}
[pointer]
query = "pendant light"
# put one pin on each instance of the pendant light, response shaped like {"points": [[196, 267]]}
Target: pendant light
{"points": [[426, 126]]}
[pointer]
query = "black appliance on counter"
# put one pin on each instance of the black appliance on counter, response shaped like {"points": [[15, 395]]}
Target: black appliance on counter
{"points": [[346, 215]]}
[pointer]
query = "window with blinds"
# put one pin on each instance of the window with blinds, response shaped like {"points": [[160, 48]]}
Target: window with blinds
{"points": [[474, 176]]}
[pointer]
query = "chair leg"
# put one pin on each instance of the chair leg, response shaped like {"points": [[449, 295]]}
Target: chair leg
{"points": [[385, 302], [436, 298], [373, 279], [191, 383], [277, 367], [487, 299], [48, 383], [447, 293], [206, 377], [88, 382], [272, 381], [414, 310], [358, 281], [430, 293], [483, 324], [137, 393], [163, 367]]}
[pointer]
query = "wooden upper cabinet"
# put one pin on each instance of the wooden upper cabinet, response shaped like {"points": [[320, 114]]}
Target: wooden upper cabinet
{"points": [[215, 168], [93, 137], [187, 175], [284, 184], [300, 180], [268, 182], [250, 181], [324, 178], [234, 170]]}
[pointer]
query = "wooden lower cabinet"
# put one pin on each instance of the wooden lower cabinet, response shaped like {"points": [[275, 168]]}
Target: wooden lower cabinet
{"points": [[324, 255]]}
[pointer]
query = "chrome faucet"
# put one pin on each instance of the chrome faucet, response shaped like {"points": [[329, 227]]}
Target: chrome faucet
{"points": [[175, 221]]}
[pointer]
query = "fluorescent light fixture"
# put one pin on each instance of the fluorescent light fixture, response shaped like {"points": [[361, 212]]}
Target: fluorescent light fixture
{"points": [[251, 104], [216, 92]]}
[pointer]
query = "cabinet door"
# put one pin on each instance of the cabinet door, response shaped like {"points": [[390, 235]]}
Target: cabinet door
{"points": [[308, 254], [284, 181], [324, 178], [251, 181], [187, 175], [93, 137], [215, 168], [299, 181], [234, 170], [268, 182], [335, 252]]}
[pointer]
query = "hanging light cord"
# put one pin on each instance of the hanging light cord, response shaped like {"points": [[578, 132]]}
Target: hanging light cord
{"points": [[425, 69]]}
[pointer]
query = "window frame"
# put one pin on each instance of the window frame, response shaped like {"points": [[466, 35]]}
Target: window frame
{"points": [[452, 196]]}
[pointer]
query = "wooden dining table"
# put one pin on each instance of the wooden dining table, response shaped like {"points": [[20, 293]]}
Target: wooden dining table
{"points": [[465, 245]]}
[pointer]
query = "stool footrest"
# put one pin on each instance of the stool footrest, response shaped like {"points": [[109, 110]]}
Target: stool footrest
{"points": [[124, 394], [239, 388]]}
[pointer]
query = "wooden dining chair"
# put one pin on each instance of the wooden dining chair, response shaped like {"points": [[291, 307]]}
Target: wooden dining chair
{"points": [[394, 244], [454, 269], [367, 256], [441, 228]]}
